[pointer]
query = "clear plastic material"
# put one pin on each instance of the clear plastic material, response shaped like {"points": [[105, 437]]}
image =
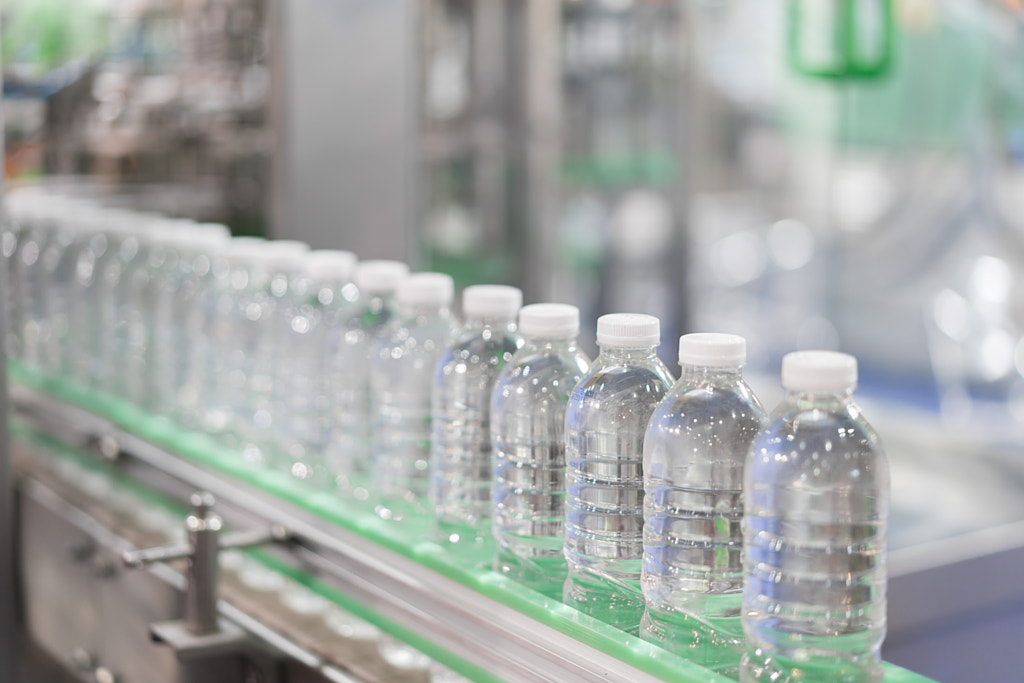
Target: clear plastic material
{"points": [[460, 456], [348, 370], [146, 281], [213, 380], [401, 381], [313, 323], [123, 276], [528, 439], [179, 334], [258, 402], [605, 423], [694, 454], [815, 532]]}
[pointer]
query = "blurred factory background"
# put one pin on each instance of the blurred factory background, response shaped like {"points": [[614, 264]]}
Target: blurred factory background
{"points": [[845, 174]]}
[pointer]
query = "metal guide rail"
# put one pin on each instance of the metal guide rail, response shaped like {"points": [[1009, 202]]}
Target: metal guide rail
{"points": [[520, 641], [491, 635]]}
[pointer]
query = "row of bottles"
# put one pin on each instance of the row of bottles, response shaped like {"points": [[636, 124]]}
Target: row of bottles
{"points": [[673, 509]]}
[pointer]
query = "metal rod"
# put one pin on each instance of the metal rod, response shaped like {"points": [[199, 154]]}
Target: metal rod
{"points": [[137, 559], [201, 597], [8, 525]]}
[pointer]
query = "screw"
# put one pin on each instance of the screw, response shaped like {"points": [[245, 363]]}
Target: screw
{"points": [[109, 447]]}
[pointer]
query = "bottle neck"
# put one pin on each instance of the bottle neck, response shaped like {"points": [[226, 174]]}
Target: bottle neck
{"points": [[550, 345], [629, 355], [418, 310], [377, 302], [825, 400], [706, 374], [480, 322], [331, 291]]}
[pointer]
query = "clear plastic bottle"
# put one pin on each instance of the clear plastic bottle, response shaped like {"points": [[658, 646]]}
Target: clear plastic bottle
{"points": [[220, 378], [160, 253], [816, 497], [259, 404], [90, 315], [460, 455], [528, 438], [200, 405], [30, 270], [18, 211], [694, 454], [59, 257], [322, 300], [348, 371], [123, 273], [605, 422], [178, 334], [401, 380]]}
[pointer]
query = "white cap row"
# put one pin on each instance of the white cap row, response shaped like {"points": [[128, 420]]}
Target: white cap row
{"points": [[810, 371], [804, 371]]}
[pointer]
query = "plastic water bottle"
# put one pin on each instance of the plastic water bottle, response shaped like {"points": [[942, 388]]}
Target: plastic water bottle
{"points": [[31, 267], [401, 380], [178, 333], [119, 283], [348, 371], [223, 377], [460, 456], [89, 317], [258, 406], [17, 210], [321, 303], [816, 495], [605, 423], [528, 440], [148, 276], [198, 403], [58, 259], [694, 454]]}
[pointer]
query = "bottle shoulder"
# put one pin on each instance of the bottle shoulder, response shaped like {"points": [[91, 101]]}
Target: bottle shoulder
{"points": [[528, 377], [820, 447], [619, 391], [691, 408]]}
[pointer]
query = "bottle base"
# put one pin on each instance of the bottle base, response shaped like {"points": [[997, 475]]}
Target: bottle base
{"points": [[715, 644], [545, 575], [612, 601], [759, 666]]}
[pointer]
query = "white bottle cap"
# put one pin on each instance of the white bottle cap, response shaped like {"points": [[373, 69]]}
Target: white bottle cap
{"points": [[712, 350], [819, 371], [243, 252], [549, 321], [120, 223], [214, 228], [430, 289], [380, 277], [166, 232], [330, 265], [200, 241], [284, 255], [628, 330], [491, 301]]}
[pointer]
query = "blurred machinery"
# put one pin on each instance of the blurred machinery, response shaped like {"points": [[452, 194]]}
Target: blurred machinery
{"points": [[160, 104]]}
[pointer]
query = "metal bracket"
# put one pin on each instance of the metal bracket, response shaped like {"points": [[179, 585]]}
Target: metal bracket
{"points": [[201, 633], [228, 639]]}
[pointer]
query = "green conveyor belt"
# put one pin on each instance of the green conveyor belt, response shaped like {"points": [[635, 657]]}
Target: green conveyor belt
{"points": [[467, 563]]}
